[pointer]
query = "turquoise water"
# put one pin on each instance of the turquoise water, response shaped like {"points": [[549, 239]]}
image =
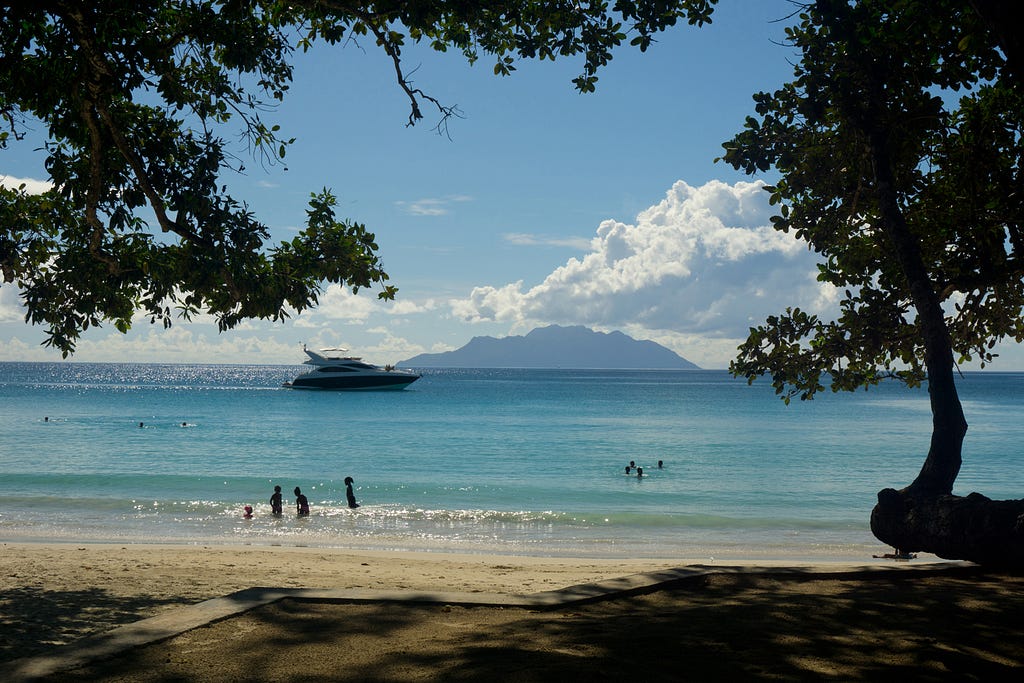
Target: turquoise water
{"points": [[496, 461]]}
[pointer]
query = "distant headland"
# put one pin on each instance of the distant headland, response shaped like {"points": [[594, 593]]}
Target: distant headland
{"points": [[554, 346]]}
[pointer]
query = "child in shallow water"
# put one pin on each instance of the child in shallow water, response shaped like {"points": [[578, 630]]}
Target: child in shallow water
{"points": [[276, 507], [301, 503]]}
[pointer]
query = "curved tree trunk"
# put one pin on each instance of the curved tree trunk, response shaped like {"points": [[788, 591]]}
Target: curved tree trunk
{"points": [[948, 424], [925, 516]]}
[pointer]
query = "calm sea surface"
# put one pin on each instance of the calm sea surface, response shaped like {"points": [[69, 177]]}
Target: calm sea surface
{"points": [[498, 461]]}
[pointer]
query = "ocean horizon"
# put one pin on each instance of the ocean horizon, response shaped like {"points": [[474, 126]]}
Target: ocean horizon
{"points": [[521, 462]]}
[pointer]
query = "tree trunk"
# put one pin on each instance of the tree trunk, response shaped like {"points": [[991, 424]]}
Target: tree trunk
{"points": [[925, 516], [948, 424], [975, 528]]}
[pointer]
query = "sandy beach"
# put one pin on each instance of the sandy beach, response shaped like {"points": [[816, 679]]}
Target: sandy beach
{"points": [[960, 624], [52, 594]]}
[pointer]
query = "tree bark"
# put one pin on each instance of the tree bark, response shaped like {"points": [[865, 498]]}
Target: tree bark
{"points": [[975, 528], [949, 426]]}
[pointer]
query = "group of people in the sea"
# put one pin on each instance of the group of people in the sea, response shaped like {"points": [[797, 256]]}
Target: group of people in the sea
{"points": [[301, 501], [142, 425], [632, 467]]}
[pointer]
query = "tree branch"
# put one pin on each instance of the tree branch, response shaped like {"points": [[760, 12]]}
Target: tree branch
{"points": [[415, 115], [99, 94], [94, 88]]}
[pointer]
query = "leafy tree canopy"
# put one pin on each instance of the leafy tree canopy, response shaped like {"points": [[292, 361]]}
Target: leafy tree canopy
{"points": [[134, 97], [899, 146]]}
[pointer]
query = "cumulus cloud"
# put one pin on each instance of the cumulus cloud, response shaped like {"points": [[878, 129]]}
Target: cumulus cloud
{"points": [[339, 304], [409, 307], [703, 261], [32, 186]]}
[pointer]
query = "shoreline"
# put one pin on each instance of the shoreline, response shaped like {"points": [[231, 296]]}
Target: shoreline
{"points": [[689, 545]]}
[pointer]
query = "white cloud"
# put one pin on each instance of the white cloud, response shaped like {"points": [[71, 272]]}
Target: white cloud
{"points": [[32, 186], [409, 307], [10, 304], [390, 348], [704, 262], [526, 239], [154, 344], [431, 206], [339, 303]]}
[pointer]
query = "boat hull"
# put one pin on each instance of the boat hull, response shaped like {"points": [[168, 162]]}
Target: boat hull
{"points": [[382, 382]]}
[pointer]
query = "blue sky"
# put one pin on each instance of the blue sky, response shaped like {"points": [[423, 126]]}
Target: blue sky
{"points": [[540, 206]]}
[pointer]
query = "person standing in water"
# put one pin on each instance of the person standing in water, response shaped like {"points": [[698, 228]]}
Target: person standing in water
{"points": [[350, 494], [276, 506], [301, 503]]}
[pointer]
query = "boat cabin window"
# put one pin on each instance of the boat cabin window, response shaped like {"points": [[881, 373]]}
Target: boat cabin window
{"points": [[335, 368]]}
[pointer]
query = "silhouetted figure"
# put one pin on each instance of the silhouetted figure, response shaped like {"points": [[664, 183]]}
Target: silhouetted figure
{"points": [[661, 465], [276, 507], [627, 469], [141, 425], [639, 472], [301, 503], [350, 494]]}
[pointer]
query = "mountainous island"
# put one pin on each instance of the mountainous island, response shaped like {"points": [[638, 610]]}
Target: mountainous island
{"points": [[554, 346]]}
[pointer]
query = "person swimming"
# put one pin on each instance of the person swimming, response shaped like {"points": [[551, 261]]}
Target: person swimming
{"points": [[639, 472]]}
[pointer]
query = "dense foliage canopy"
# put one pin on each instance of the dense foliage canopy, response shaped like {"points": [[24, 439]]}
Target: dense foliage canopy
{"points": [[899, 147], [132, 99]]}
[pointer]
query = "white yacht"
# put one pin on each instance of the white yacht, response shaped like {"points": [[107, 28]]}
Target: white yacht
{"points": [[332, 369]]}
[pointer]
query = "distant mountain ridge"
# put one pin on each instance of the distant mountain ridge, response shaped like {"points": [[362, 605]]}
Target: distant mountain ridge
{"points": [[554, 346]]}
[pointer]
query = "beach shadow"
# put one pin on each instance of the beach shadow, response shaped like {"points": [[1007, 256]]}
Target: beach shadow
{"points": [[726, 627], [34, 620]]}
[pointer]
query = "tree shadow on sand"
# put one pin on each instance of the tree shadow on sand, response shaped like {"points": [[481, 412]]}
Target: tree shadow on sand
{"points": [[730, 627], [34, 620]]}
